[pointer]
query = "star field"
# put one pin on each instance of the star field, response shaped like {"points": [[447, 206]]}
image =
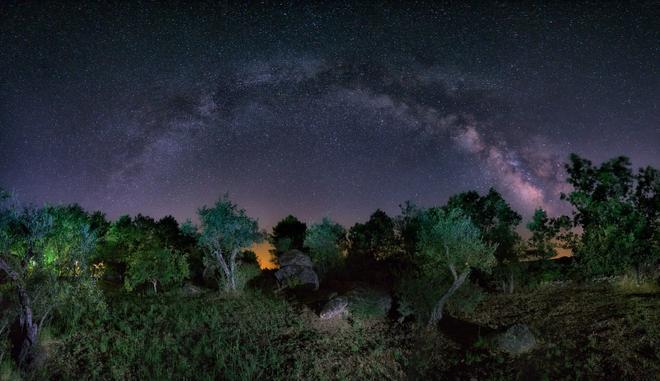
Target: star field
{"points": [[331, 110]]}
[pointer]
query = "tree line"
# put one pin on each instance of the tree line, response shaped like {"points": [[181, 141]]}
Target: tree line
{"points": [[54, 258]]}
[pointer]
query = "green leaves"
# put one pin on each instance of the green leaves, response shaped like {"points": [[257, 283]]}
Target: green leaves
{"points": [[449, 238], [618, 212], [158, 266], [226, 230], [325, 241], [226, 227]]}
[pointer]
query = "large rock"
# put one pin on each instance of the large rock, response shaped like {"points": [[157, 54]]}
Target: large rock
{"points": [[296, 270], [516, 340], [335, 307], [294, 258]]}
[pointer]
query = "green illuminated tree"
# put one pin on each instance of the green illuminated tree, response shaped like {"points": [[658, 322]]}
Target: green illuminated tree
{"points": [[158, 266], [226, 230], [450, 240], [22, 231]]}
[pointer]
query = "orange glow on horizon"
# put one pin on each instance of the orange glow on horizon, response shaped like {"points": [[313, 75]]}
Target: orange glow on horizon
{"points": [[264, 257], [561, 252]]}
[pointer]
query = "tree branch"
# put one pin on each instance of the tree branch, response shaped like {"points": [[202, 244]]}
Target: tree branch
{"points": [[452, 268], [4, 266]]}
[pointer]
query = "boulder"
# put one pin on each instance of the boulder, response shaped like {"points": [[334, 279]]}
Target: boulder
{"points": [[296, 270], [516, 340], [334, 307], [295, 258]]}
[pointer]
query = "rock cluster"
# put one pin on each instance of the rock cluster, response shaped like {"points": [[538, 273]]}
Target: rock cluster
{"points": [[296, 269]]}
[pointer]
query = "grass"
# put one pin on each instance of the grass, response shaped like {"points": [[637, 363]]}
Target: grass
{"points": [[593, 331], [222, 336]]}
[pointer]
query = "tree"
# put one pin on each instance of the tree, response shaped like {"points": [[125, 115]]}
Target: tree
{"points": [[545, 233], [448, 239], [288, 234], [618, 212], [188, 245], [21, 236], [225, 231], [494, 217], [326, 241], [376, 239], [70, 242], [497, 222], [407, 226], [157, 266]]}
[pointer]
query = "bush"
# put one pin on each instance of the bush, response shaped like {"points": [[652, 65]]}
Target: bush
{"points": [[417, 295], [157, 266], [369, 303], [78, 305], [246, 273]]}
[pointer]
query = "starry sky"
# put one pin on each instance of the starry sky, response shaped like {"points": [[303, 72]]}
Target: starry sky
{"points": [[319, 110]]}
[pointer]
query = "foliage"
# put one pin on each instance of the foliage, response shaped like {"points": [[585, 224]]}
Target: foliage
{"points": [[246, 273], [45, 254], [495, 219], [449, 239], [225, 231], [545, 232], [80, 304], [127, 237], [418, 294], [164, 267], [288, 234], [325, 241], [373, 246], [618, 212], [71, 243], [407, 226]]}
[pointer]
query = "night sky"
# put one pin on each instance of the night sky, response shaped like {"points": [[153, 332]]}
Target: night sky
{"points": [[319, 110]]}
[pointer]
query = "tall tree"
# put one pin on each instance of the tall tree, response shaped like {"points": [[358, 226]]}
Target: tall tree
{"points": [[374, 240], [288, 234], [448, 239], [494, 217], [22, 236], [618, 212], [497, 222], [326, 242], [226, 230]]}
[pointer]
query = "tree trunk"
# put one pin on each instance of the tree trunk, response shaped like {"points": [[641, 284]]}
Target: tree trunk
{"points": [[511, 282], [232, 268], [153, 282], [436, 315], [28, 330], [225, 269]]}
